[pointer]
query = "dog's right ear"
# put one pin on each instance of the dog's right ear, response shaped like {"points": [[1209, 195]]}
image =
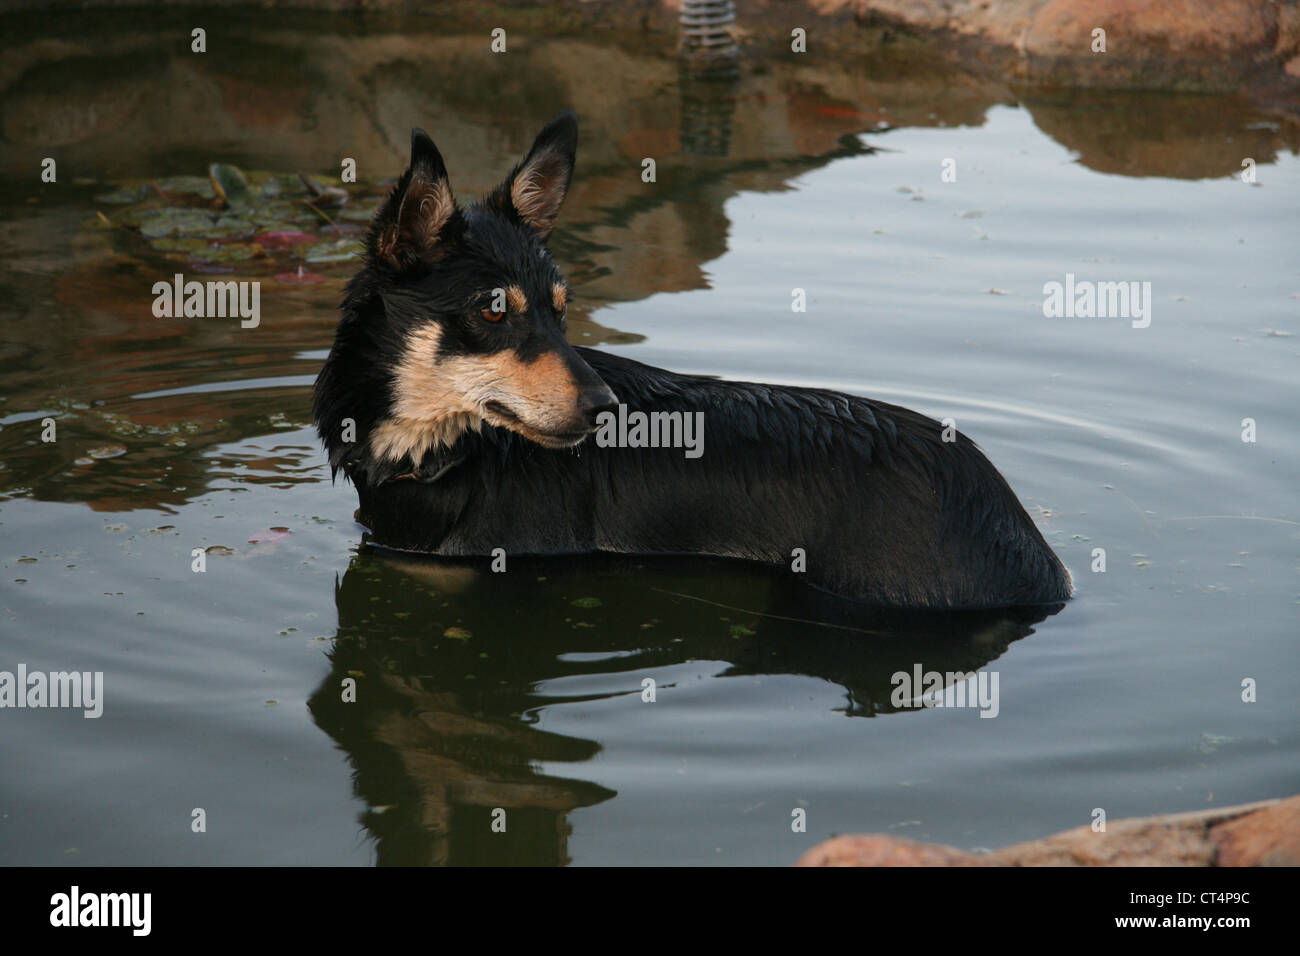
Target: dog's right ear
{"points": [[420, 219]]}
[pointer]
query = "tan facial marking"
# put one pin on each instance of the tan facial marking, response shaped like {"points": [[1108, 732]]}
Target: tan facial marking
{"points": [[542, 384], [428, 407], [515, 296], [559, 297], [436, 400], [541, 393]]}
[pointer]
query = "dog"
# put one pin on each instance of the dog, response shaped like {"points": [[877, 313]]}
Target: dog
{"points": [[454, 404]]}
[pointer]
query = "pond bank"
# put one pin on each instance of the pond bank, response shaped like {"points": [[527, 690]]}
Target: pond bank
{"points": [[1115, 44], [1182, 45], [1253, 834]]}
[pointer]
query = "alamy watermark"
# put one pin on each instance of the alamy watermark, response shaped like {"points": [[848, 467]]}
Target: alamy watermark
{"points": [[75, 909], [639, 429], [919, 688], [208, 300], [1085, 299], [73, 689]]}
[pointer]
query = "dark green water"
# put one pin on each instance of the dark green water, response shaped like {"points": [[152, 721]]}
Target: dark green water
{"points": [[523, 691]]}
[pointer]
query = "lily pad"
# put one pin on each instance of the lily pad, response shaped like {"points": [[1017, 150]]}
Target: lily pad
{"points": [[173, 221], [275, 185], [275, 220], [228, 182], [228, 252], [158, 228], [134, 216], [181, 245], [280, 209], [124, 194], [337, 250], [230, 227], [191, 185]]}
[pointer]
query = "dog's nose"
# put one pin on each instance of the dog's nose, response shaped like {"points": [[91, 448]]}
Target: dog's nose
{"points": [[593, 400]]}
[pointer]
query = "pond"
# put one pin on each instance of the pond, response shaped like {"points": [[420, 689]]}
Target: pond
{"points": [[921, 210]]}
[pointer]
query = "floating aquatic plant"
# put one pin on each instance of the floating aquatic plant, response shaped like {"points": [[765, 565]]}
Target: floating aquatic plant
{"points": [[251, 222]]}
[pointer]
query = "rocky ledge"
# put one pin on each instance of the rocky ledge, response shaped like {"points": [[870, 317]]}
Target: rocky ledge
{"points": [[1220, 46], [1168, 44], [1253, 834]]}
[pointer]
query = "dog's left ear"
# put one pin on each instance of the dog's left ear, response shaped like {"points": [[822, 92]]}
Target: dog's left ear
{"points": [[535, 190]]}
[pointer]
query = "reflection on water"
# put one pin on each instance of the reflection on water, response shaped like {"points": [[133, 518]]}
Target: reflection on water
{"points": [[453, 667], [709, 93], [82, 346]]}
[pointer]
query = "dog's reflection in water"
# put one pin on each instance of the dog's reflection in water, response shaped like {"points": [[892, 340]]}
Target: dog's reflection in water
{"points": [[447, 662]]}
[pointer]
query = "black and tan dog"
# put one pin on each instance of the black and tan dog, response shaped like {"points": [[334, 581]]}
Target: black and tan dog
{"points": [[454, 404]]}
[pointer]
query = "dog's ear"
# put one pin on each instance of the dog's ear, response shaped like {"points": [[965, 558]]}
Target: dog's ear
{"points": [[535, 190], [420, 219]]}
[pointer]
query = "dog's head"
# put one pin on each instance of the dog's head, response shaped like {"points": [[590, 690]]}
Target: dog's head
{"points": [[458, 317]]}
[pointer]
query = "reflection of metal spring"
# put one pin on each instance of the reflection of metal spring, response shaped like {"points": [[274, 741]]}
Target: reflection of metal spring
{"points": [[706, 25], [708, 102], [708, 75]]}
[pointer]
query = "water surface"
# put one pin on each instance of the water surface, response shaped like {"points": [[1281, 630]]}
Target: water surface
{"points": [[524, 691]]}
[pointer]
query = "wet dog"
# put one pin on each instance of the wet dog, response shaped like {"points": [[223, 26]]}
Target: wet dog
{"points": [[453, 402]]}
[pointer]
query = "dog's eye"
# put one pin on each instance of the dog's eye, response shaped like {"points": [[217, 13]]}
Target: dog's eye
{"points": [[492, 316]]}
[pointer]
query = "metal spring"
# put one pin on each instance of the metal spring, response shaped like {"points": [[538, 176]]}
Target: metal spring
{"points": [[706, 23]]}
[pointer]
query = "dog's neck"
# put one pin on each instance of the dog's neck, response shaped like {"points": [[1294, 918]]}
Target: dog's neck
{"points": [[397, 438]]}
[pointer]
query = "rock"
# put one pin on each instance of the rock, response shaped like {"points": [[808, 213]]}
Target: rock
{"points": [[1203, 45], [1169, 44], [1156, 841], [1269, 837], [1256, 834], [880, 850]]}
